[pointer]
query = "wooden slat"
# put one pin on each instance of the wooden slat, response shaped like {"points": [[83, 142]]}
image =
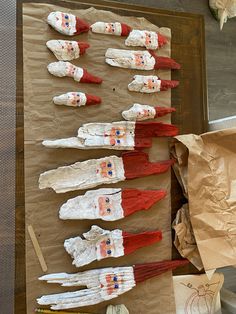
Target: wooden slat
{"points": [[37, 248]]}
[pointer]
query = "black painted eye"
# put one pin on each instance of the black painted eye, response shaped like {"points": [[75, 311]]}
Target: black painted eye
{"points": [[118, 141], [108, 210], [142, 62], [153, 80], [66, 17], [109, 252], [108, 241], [109, 165], [107, 200], [72, 49], [67, 24], [110, 173]]}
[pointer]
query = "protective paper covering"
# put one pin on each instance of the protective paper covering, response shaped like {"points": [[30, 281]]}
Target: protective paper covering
{"points": [[43, 120]]}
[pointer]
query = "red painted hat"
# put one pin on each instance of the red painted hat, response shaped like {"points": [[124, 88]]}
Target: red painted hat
{"points": [[82, 47], [90, 78], [133, 242], [164, 62], [144, 131], [166, 84], [148, 270], [155, 129], [162, 111], [92, 100], [125, 29], [81, 26], [136, 164], [134, 200], [161, 40]]}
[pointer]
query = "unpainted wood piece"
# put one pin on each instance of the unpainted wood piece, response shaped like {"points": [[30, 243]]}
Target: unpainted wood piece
{"points": [[37, 248]]}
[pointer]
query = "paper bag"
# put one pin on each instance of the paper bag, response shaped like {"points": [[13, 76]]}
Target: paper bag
{"points": [[210, 174]]}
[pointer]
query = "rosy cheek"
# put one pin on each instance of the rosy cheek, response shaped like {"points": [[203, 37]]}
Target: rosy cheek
{"points": [[104, 174], [112, 141]]}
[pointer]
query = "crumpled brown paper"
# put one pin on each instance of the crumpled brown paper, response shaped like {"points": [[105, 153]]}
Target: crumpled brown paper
{"points": [[44, 120], [210, 181], [185, 240]]}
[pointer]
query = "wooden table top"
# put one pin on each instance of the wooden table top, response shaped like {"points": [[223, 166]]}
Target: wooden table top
{"points": [[189, 99]]}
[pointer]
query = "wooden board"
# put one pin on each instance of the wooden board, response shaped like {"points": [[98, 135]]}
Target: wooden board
{"points": [[189, 99]]}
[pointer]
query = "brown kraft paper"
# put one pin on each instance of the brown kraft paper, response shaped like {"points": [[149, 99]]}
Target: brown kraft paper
{"points": [[210, 174], [44, 120]]}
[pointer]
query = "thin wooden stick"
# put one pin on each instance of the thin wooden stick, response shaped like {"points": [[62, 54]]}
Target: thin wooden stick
{"points": [[37, 248], [57, 312]]}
